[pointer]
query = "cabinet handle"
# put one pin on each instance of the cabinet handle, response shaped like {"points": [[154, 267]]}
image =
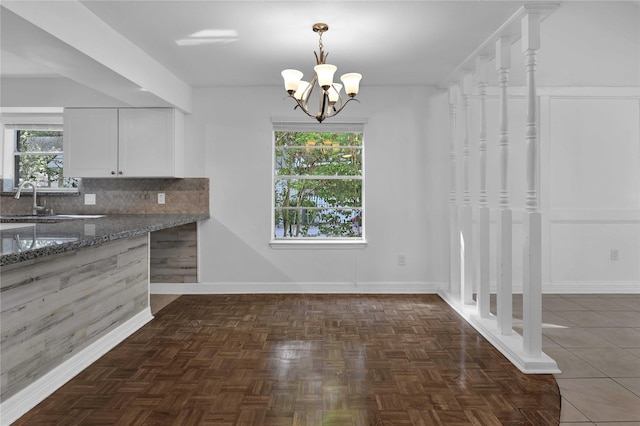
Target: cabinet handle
{"points": [[120, 172], [112, 172]]}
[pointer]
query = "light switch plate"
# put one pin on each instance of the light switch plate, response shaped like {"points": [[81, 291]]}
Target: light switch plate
{"points": [[160, 197], [90, 199]]}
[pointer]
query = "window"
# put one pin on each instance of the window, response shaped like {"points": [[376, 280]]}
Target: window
{"points": [[38, 158], [33, 151], [318, 184]]}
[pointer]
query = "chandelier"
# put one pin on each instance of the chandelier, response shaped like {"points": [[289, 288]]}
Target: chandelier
{"points": [[330, 101]]}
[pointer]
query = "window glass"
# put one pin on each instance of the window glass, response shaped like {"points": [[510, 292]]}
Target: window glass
{"points": [[318, 185]]}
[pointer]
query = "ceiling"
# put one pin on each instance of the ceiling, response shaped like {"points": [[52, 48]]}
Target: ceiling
{"points": [[389, 42]]}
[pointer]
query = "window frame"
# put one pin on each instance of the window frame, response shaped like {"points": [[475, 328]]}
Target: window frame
{"points": [[13, 121], [350, 126]]}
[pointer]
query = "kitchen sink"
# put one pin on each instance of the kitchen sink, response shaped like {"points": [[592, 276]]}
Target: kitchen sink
{"points": [[53, 218]]}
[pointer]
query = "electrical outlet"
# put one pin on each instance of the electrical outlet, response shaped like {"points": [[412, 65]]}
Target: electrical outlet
{"points": [[90, 199], [161, 198], [90, 230], [402, 260], [614, 255]]}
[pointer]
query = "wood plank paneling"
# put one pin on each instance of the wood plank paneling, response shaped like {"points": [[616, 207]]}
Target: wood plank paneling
{"points": [[174, 255], [53, 307]]}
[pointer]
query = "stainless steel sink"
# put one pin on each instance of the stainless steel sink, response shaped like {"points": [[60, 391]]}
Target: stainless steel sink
{"points": [[46, 218]]}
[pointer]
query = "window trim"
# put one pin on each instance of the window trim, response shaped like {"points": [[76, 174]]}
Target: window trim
{"points": [[333, 243], [337, 126]]}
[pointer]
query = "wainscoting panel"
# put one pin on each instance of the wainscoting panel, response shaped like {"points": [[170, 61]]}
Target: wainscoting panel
{"points": [[591, 168]]}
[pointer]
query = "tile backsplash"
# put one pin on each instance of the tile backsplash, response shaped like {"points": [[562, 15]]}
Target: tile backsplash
{"points": [[121, 196]]}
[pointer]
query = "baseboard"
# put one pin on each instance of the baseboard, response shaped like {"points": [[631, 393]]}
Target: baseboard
{"points": [[401, 287], [23, 401], [510, 346], [578, 287], [592, 287]]}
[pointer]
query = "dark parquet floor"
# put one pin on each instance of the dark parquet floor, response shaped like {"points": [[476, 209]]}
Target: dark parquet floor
{"points": [[313, 360]]}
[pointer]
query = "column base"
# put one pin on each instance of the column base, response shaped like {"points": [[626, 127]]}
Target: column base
{"points": [[510, 346]]}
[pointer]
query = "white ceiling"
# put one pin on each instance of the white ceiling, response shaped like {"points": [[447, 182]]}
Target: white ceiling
{"points": [[389, 42]]}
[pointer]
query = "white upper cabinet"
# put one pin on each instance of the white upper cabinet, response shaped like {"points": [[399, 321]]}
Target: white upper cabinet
{"points": [[123, 142], [90, 142]]}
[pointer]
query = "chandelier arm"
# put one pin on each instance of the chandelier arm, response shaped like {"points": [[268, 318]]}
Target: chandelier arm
{"points": [[312, 86], [333, 109], [302, 106], [345, 104], [321, 103], [323, 113]]}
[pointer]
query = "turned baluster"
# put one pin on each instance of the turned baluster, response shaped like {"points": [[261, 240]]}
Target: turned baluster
{"points": [[504, 305], [454, 224], [467, 216], [482, 64], [532, 265]]}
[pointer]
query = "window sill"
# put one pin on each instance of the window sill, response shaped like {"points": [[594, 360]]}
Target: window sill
{"points": [[317, 244]]}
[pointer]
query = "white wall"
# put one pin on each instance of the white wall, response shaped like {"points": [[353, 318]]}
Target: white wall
{"points": [[588, 75], [591, 43], [51, 92], [586, 43], [404, 195], [591, 157], [590, 167]]}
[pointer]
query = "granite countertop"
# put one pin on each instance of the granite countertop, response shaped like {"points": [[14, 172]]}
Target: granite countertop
{"points": [[44, 239]]}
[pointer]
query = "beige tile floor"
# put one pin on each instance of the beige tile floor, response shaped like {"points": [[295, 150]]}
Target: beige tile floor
{"points": [[595, 339]]}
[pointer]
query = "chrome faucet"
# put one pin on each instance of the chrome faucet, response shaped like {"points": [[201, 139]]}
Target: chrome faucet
{"points": [[35, 209]]}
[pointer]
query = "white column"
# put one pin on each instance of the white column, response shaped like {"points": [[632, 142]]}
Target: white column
{"points": [[484, 291], [454, 224], [532, 265], [504, 308], [466, 281]]}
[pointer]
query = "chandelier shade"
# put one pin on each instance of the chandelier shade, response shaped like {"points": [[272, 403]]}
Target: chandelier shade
{"points": [[334, 92], [325, 74], [351, 83], [291, 80], [330, 101], [302, 91]]}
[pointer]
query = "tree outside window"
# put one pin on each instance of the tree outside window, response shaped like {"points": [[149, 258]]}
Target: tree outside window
{"points": [[318, 185], [38, 157]]}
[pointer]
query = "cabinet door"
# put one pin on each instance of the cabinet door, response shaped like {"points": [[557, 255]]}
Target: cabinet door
{"points": [[147, 140], [90, 142]]}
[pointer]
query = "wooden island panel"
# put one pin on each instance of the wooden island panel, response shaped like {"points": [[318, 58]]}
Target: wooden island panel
{"points": [[174, 254], [54, 306]]}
